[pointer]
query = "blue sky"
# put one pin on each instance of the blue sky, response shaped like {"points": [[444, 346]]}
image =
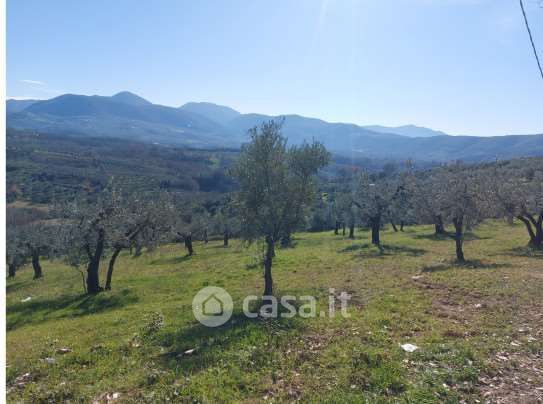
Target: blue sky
{"points": [[462, 66]]}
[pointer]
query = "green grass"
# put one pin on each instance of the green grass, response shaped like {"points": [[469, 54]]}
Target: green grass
{"points": [[459, 316]]}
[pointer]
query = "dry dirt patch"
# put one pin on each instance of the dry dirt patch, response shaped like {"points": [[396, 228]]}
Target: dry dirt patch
{"points": [[518, 375]]}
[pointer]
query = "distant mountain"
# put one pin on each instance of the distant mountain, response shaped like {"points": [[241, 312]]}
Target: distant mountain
{"points": [[406, 130], [130, 98], [126, 115], [450, 148], [123, 115], [214, 112], [18, 105], [336, 136]]}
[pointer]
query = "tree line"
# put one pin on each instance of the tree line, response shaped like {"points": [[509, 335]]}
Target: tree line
{"points": [[280, 190]]}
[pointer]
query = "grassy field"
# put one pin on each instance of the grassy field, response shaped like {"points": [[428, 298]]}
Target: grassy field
{"points": [[479, 327]]}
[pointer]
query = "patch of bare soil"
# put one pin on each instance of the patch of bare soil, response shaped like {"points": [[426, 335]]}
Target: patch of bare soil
{"points": [[537, 275], [517, 369], [287, 384], [518, 376], [446, 302]]}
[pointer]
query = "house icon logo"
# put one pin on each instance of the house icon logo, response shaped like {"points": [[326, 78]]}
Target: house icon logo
{"points": [[212, 306]]}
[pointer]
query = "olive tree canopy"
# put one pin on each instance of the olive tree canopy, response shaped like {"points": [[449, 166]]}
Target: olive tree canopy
{"points": [[276, 185]]}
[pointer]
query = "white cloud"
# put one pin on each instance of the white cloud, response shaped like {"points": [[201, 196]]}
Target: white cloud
{"points": [[34, 82], [21, 97]]}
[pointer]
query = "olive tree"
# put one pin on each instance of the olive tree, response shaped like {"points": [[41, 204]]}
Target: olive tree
{"points": [[39, 238], [303, 163], [373, 199], [184, 222], [112, 220], [459, 197], [276, 184], [136, 218], [30, 235], [204, 223], [425, 201], [87, 223], [348, 211], [400, 210], [16, 251], [516, 193], [336, 213], [225, 221], [321, 218], [529, 210]]}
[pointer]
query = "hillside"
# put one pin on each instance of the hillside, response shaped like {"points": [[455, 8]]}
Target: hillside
{"points": [[406, 130], [124, 115], [478, 327], [43, 168], [18, 105], [451, 148], [214, 112], [206, 125]]}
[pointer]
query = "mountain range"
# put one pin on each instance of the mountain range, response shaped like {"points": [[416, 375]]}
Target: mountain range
{"points": [[207, 125]]}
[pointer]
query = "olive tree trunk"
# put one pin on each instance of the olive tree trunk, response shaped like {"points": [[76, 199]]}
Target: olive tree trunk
{"points": [[268, 259], [111, 265], [375, 223], [93, 268], [534, 228], [439, 226], [459, 238], [38, 273], [137, 250], [188, 244], [12, 268]]}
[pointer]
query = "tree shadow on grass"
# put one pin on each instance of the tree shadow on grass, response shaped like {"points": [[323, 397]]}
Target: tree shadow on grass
{"points": [[15, 285], [525, 251], [469, 236], [220, 246], [293, 243], [366, 250], [449, 236], [408, 229], [249, 340], [470, 264], [433, 237], [171, 260], [66, 306]]}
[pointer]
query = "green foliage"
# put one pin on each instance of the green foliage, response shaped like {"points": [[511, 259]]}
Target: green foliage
{"points": [[52, 168], [276, 183]]}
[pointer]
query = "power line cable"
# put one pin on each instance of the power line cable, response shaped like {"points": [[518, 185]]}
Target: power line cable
{"points": [[531, 38]]}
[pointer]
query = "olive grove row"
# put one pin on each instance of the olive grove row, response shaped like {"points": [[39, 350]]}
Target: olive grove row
{"points": [[280, 191]]}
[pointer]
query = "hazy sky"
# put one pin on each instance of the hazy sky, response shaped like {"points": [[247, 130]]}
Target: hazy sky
{"points": [[462, 66]]}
